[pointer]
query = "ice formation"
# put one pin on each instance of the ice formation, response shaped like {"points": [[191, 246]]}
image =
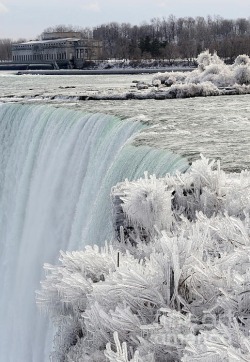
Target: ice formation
{"points": [[175, 284], [212, 77]]}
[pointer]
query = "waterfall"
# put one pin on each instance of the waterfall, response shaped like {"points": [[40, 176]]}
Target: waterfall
{"points": [[57, 167]]}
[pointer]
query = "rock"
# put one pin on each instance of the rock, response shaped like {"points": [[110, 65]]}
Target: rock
{"points": [[141, 85]]}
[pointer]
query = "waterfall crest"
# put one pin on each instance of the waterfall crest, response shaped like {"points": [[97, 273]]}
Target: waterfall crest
{"points": [[57, 169]]}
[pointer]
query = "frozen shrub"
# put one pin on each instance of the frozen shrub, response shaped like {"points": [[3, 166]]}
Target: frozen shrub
{"points": [[242, 74], [211, 69], [171, 80], [204, 59], [193, 90], [242, 60], [180, 293], [166, 77], [156, 82], [148, 204]]}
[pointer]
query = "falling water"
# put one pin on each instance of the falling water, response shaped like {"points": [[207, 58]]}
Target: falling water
{"points": [[57, 167]]}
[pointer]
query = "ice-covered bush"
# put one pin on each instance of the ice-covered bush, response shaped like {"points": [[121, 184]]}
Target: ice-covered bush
{"points": [[169, 78], [193, 90], [242, 74], [205, 59], [148, 204], [173, 287], [242, 60], [211, 70]]}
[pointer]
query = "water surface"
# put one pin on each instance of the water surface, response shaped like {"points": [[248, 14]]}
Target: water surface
{"points": [[217, 127]]}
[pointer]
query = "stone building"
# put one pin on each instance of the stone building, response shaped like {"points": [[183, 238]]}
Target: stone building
{"points": [[61, 49]]}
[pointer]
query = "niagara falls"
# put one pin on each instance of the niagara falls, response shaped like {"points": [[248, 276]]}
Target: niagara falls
{"points": [[124, 182], [59, 164]]}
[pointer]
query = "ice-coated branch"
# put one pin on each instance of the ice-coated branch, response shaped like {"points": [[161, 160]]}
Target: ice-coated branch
{"points": [[121, 354]]}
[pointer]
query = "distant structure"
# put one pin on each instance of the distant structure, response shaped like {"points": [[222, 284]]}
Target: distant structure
{"points": [[61, 49]]}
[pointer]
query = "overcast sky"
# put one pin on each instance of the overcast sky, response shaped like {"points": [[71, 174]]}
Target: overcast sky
{"points": [[28, 18]]}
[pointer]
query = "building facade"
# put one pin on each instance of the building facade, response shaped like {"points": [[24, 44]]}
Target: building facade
{"points": [[61, 49]]}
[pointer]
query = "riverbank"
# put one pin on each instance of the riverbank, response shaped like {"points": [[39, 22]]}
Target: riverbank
{"points": [[105, 71]]}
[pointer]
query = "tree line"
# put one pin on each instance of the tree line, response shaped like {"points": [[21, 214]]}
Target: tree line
{"points": [[164, 38], [171, 38]]}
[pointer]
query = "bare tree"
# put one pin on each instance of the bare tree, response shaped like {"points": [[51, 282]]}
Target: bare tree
{"points": [[5, 49]]}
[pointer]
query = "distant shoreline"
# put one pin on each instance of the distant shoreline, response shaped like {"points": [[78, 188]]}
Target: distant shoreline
{"points": [[104, 71]]}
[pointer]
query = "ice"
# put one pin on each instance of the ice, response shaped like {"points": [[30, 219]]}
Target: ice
{"points": [[175, 285], [212, 77]]}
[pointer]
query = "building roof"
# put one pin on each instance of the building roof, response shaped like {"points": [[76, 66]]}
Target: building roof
{"points": [[59, 40]]}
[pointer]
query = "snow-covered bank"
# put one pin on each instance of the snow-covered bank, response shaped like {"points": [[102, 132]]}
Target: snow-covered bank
{"points": [[174, 287]]}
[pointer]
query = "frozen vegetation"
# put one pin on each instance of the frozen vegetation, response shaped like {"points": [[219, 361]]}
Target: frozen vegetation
{"points": [[173, 286], [212, 77]]}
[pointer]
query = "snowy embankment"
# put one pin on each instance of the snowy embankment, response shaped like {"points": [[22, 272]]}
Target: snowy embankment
{"points": [[174, 286]]}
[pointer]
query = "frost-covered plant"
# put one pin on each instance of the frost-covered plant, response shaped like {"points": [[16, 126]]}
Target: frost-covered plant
{"points": [[179, 293], [148, 204], [169, 78], [193, 90], [242, 60], [121, 353], [222, 344], [242, 74], [205, 59], [212, 77]]}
